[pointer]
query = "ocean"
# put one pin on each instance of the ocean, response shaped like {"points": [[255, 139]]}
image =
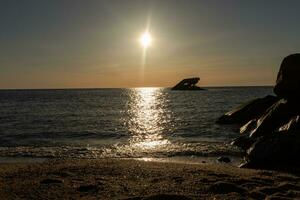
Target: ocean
{"points": [[140, 123]]}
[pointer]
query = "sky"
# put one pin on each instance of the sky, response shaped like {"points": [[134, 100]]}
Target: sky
{"points": [[95, 44]]}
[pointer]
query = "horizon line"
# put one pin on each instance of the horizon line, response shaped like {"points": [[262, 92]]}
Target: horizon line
{"points": [[95, 88]]}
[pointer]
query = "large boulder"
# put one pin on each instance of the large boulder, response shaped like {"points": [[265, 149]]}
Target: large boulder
{"points": [[276, 151], [270, 126], [248, 111], [277, 115], [288, 79]]}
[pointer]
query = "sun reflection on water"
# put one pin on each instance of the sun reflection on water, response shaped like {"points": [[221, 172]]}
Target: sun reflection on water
{"points": [[147, 118]]}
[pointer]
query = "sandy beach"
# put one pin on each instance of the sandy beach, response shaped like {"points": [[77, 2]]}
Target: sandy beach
{"points": [[132, 179]]}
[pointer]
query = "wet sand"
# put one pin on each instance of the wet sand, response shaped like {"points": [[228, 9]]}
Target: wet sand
{"points": [[133, 179]]}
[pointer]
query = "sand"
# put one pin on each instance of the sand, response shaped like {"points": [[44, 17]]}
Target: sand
{"points": [[132, 179]]}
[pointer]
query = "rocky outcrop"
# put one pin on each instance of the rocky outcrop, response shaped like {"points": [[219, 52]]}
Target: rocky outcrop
{"points": [[247, 111], [276, 151], [188, 84], [270, 126], [288, 80]]}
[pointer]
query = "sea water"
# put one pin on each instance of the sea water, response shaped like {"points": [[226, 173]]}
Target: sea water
{"points": [[120, 123]]}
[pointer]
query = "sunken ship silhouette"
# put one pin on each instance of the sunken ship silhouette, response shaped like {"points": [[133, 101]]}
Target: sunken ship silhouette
{"points": [[188, 84]]}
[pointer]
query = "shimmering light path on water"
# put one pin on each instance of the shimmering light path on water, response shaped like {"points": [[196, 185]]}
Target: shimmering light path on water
{"points": [[127, 123], [149, 118]]}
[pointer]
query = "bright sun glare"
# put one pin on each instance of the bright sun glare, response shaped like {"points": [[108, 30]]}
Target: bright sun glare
{"points": [[145, 39]]}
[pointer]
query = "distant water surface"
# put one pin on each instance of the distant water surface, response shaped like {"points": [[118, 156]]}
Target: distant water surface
{"points": [[123, 123]]}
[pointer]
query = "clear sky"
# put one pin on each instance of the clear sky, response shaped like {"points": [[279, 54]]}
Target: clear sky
{"points": [[86, 43]]}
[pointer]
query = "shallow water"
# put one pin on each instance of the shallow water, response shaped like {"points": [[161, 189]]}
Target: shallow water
{"points": [[126, 123]]}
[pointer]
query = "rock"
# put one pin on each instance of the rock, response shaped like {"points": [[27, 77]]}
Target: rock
{"points": [[225, 188], [244, 142], [274, 151], [188, 84], [248, 111], [276, 116], [291, 126], [248, 127], [288, 81], [224, 159], [275, 140], [271, 125]]}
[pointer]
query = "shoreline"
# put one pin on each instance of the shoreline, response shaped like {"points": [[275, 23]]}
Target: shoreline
{"points": [[136, 179], [234, 160]]}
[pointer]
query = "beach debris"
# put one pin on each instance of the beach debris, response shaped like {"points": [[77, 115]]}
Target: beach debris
{"points": [[188, 84], [271, 125]]}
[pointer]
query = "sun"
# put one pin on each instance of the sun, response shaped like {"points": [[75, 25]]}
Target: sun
{"points": [[146, 39]]}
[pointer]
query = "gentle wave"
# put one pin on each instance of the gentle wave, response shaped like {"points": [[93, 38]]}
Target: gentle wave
{"points": [[204, 149], [100, 123]]}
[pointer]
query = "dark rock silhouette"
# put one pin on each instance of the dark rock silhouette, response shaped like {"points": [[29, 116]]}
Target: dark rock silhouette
{"points": [[276, 151], [288, 80], [271, 125], [276, 116], [292, 125], [248, 111], [188, 84]]}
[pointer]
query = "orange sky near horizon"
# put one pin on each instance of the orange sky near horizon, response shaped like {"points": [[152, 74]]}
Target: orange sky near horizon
{"points": [[95, 44]]}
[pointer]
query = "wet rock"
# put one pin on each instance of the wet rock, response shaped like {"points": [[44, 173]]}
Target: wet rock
{"points": [[248, 127], [291, 126], [224, 159], [224, 188], [244, 142], [274, 151], [288, 81], [277, 115], [248, 111]]}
